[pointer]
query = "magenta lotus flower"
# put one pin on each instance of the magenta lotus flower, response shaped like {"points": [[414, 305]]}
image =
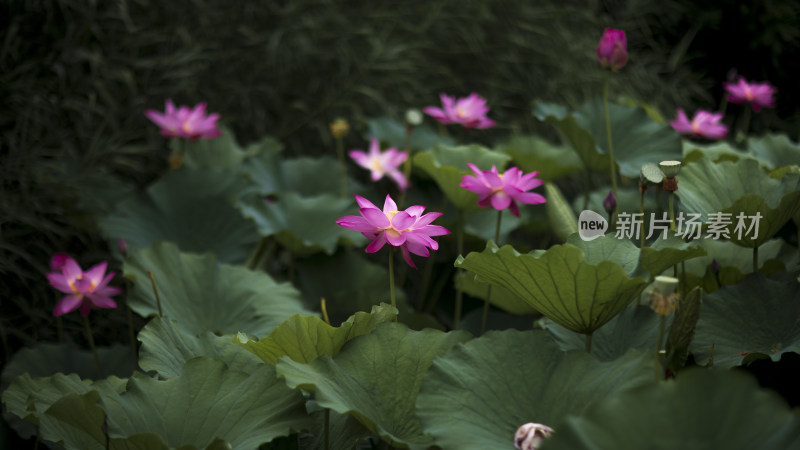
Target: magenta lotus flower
{"points": [[86, 290], [382, 163], [759, 95], [503, 191], [185, 122], [410, 229], [469, 112], [704, 124], [612, 51]]}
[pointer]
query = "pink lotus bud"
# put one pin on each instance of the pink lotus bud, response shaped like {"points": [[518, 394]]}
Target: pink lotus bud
{"points": [[610, 202], [531, 435], [612, 51], [715, 266], [57, 261]]}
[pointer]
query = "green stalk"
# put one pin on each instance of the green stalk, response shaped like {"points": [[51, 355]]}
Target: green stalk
{"points": [[586, 188], [255, 255], [406, 166], [155, 290], [91, 345], [132, 336], [60, 328], [613, 163], [485, 316], [671, 210], [391, 278], [459, 291], [641, 210], [746, 122], [342, 166], [755, 258], [588, 345], [661, 327]]}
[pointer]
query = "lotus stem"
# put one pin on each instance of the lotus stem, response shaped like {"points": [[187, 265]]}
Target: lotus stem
{"points": [[661, 326], [255, 255], [755, 258], [132, 336], [342, 166], [60, 328], [90, 337], [613, 164], [155, 290], [587, 187], [641, 210], [459, 290], [671, 210], [485, 316], [746, 122], [324, 310], [391, 278], [588, 346], [406, 165]]}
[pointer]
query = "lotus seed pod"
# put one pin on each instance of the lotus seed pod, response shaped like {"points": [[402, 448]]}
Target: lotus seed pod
{"points": [[414, 117], [531, 435], [651, 173], [670, 168], [339, 128]]}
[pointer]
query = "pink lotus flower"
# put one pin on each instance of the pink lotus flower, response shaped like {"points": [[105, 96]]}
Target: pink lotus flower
{"points": [[382, 163], [503, 191], [612, 51], [759, 95], [469, 112], [410, 229], [86, 290], [704, 124], [185, 122]]}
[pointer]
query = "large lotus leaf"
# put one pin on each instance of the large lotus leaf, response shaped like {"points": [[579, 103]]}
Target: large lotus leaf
{"points": [[776, 150], [561, 218], [758, 315], [500, 296], [310, 177], [739, 188], [219, 153], [665, 253], [579, 288], [265, 169], [480, 392], [347, 280], [306, 338], [446, 165], [699, 410], [393, 133], [345, 432], [201, 294], [637, 139], [45, 359], [534, 154], [166, 348], [627, 201], [192, 208], [75, 421], [717, 152], [635, 327], [304, 225], [376, 378]]}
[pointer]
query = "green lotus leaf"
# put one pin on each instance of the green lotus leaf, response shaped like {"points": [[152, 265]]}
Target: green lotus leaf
{"points": [[192, 208], [376, 378], [201, 294], [775, 150], [265, 169], [75, 421], [480, 392], [446, 165], [637, 139], [45, 359], [500, 296], [562, 220], [627, 201], [717, 152], [219, 153], [482, 224], [634, 327], [392, 132], [665, 253], [306, 338], [758, 315], [534, 154], [166, 348], [739, 188], [344, 431], [698, 410], [311, 177], [579, 288], [304, 225]]}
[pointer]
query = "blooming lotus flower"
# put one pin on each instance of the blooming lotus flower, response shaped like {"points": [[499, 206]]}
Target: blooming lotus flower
{"points": [[503, 191], [757, 94], [185, 122], [612, 51], [86, 290], [531, 435], [382, 163], [410, 229], [704, 124], [469, 112]]}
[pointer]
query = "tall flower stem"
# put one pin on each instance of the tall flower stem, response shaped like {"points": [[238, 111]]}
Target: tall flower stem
{"points": [[746, 122], [485, 317], [342, 166], [391, 278], [612, 162], [755, 258], [641, 211], [459, 290], [90, 337], [587, 186], [155, 290], [132, 336], [60, 328], [661, 327], [406, 165], [671, 210]]}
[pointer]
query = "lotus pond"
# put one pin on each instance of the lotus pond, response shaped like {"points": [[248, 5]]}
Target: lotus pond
{"points": [[425, 290]]}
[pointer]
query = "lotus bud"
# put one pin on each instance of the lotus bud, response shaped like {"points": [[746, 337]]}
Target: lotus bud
{"points": [[612, 51], [715, 266], [414, 117], [531, 435], [339, 128], [610, 202], [122, 246]]}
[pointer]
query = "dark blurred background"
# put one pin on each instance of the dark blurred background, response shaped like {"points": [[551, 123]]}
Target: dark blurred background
{"points": [[77, 75]]}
